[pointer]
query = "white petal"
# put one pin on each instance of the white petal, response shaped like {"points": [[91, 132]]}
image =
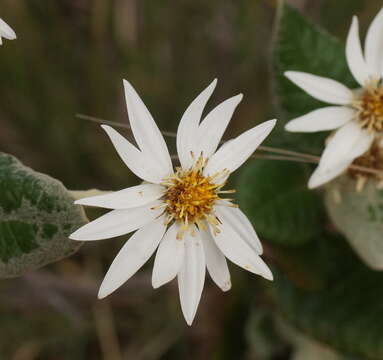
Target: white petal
{"points": [[239, 251], [327, 118], [133, 255], [191, 277], [124, 199], [240, 224], [187, 133], [169, 258], [118, 222], [214, 125], [232, 155], [354, 55], [320, 176], [215, 262], [145, 130], [321, 88], [6, 31], [374, 45], [348, 143], [139, 163]]}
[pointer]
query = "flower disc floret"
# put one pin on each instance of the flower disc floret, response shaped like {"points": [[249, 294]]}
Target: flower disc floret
{"points": [[190, 196], [370, 108]]}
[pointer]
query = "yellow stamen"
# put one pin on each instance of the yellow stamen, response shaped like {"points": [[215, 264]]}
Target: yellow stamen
{"points": [[190, 196], [369, 107]]}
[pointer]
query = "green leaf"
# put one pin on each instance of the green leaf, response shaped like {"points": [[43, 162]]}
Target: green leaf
{"points": [[345, 311], [359, 216], [299, 45], [36, 216], [275, 196]]}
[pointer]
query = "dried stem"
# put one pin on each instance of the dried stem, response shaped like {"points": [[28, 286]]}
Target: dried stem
{"points": [[117, 124], [282, 158], [288, 154], [314, 158]]}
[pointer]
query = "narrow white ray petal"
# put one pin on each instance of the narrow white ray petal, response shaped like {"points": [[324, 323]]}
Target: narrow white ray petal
{"points": [[145, 130], [347, 143], [191, 276], [169, 258], [132, 256], [354, 55], [321, 88], [127, 198], [374, 45], [6, 31], [118, 222], [327, 118], [232, 155], [1, 40], [139, 163], [321, 176], [240, 224], [187, 133], [215, 262], [239, 251], [214, 125]]}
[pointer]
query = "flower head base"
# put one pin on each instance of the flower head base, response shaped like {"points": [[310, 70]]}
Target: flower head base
{"points": [[369, 108], [180, 212]]}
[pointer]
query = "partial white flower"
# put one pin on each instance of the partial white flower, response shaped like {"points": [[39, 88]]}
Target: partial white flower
{"points": [[179, 212], [6, 32], [357, 116]]}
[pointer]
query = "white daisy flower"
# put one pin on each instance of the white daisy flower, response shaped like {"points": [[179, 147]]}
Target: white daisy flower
{"points": [[179, 212], [357, 116], [6, 32]]}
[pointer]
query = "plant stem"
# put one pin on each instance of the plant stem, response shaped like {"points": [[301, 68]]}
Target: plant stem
{"points": [[290, 155]]}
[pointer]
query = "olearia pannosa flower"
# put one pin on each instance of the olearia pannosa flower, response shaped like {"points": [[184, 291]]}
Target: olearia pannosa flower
{"points": [[181, 212], [357, 116], [6, 32]]}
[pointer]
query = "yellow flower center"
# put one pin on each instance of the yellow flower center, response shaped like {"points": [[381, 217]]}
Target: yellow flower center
{"points": [[370, 108], [190, 195]]}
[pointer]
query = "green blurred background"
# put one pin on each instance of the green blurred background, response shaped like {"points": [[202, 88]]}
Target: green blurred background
{"points": [[70, 57]]}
